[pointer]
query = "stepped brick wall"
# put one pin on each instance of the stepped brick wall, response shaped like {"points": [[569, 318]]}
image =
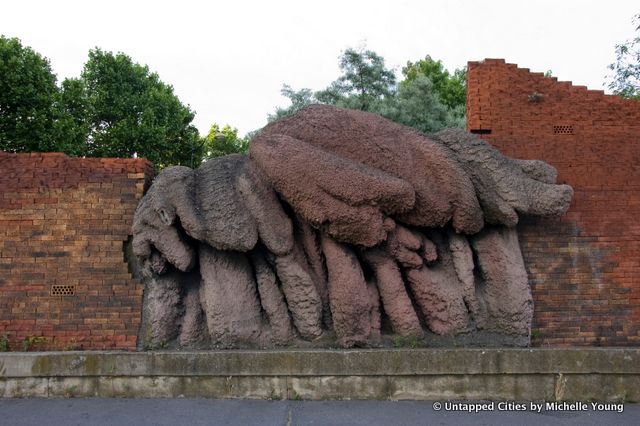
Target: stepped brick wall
{"points": [[64, 222], [64, 281], [584, 268]]}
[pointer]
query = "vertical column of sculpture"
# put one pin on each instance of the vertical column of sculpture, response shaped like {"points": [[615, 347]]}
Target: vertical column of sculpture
{"points": [[307, 238], [395, 300], [301, 293], [193, 330], [348, 294], [439, 292], [228, 296], [162, 310], [272, 300], [505, 288]]}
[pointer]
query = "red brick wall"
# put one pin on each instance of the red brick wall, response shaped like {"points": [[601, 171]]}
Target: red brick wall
{"points": [[63, 222], [585, 267]]}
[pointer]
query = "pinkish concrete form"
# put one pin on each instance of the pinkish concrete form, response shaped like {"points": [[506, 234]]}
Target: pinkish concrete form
{"points": [[341, 228]]}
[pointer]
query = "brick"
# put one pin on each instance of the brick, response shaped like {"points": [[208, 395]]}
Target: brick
{"points": [[574, 280], [49, 235]]}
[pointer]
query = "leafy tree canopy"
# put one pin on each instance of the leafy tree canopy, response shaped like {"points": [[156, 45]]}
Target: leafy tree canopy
{"points": [[298, 99], [115, 108], [418, 105], [365, 81], [428, 99], [625, 80], [219, 142], [129, 110], [450, 88], [32, 112]]}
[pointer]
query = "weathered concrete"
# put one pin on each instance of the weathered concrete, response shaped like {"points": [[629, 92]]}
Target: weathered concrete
{"points": [[601, 374], [394, 208]]}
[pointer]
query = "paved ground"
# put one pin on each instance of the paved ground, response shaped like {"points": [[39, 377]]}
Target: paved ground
{"points": [[192, 412]]}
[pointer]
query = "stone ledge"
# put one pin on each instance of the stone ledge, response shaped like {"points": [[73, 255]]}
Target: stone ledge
{"points": [[607, 374]]}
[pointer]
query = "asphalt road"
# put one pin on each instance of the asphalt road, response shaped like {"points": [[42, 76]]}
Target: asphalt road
{"points": [[192, 412]]}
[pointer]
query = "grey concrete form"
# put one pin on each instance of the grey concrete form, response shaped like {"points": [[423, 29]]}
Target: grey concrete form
{"points": [[576, 374]]}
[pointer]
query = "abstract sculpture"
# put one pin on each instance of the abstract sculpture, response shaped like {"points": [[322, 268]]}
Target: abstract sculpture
{"points": [[340, 228]]}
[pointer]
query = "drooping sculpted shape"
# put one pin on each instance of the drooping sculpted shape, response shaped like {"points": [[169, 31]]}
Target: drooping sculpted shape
{"points": [[411, 177], [505, 186], [344, 228], [352, 197]]}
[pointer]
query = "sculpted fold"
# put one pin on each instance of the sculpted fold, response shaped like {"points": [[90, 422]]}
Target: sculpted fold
{"points": [[341, 228]]}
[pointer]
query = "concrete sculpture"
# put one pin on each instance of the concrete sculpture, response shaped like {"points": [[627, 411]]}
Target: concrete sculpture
{"points": [[341, 228]]}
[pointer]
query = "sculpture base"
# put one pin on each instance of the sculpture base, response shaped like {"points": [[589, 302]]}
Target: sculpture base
{"points": [[475, 339], [602, 374]]}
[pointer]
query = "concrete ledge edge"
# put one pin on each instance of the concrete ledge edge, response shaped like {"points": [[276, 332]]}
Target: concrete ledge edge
{"points": [[607, 374]]}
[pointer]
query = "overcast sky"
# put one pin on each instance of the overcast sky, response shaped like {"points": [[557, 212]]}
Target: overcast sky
{"points": [[229, 59]]}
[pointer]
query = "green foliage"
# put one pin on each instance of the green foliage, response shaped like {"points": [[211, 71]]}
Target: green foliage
{"points": [[72, 124], [364, 84], [115, 109], [4, 343], [129, 110], [450, 88], [398, 341], [225, 141], [70, 391], [27, 95], [32, 115], [418, 105], [428, 99], [30, 341], [535, 97], [625, 80], [298, 99], [274, 395], [401, 342], [72, 345]]}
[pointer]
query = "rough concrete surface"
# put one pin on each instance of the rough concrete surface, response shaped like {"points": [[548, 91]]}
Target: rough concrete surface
{"points": [[443, 191], [341, 228], [229, 297], [349, 297], [506, 187], [418, 374]]}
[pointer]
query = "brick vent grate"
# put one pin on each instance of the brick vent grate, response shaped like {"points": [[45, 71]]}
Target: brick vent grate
{"points": [[562, 130], [63, 290]]}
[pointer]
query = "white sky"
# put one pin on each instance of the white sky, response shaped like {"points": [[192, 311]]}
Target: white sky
{"points": [[229, 59]]}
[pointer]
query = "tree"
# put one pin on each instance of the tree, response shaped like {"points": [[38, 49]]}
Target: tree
{"points": [[364, 84], [428, 99], [450, 88], [298, 99], [32, 117], [72, 123], [431, 98], [225, 141], [625, 80], [129, 110], [418, 105]]}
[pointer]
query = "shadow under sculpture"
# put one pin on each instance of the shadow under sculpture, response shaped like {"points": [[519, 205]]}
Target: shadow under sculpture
{"points": [[341, 228]]}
